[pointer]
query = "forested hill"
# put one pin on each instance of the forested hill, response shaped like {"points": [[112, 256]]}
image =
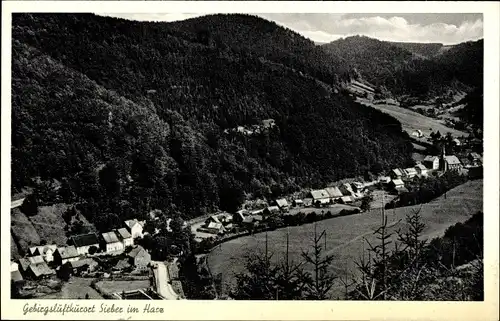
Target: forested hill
{"points": [[417, 70], [134, 116]]}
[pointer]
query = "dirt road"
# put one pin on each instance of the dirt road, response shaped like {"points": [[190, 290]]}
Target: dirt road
{"points": [[163, 287]]}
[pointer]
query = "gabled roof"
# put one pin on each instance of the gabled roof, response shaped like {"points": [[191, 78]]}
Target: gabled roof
{"points": [[308, 201], [214, 225], [452, 160], [346, 199], [16, 276], [35, 259], [214, 218], [397, 171], [85, 240], [41, 269], [80, 263], [281, 202], [273, 209], [134, 222], [421, 166], [410, 170], [257, 217], [123, 233], [357, 184], [24, 263], [110, 237], [333, 192], [135, 251], [319, 193], [248, 219], [430, 158], [397, 182], [68, 252]]}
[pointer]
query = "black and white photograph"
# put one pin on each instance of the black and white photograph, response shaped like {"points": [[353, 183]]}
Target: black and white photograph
{"points": [[247, 156]]}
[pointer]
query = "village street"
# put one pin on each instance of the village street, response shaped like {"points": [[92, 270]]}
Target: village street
{"points": [[163, 287]]}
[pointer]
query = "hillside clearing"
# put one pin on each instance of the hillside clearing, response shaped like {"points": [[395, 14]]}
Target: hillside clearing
{"points": [[345, 234], [412, 121], [23, 230]]}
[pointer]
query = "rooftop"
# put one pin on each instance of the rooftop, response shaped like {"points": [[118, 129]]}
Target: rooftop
{"points": [[281, 202], [68, 252], [85, 240], [319, 193], [123, 233], [110, 237], [333, 191], [135, 251]]}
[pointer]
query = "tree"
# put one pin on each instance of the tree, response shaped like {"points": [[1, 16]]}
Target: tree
{"points": [[366, 202], [30, 205], [322, 280], [92, 250]]}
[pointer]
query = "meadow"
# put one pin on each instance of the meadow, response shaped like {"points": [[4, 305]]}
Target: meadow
{"points": [[345, 235]]}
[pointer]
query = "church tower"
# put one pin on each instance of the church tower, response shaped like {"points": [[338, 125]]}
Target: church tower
{"points": [[443, 165]]}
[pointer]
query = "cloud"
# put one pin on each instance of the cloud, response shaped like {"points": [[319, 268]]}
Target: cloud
{"points": [[394, 28], [326, 27]]}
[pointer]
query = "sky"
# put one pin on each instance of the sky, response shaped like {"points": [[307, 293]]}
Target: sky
{"points": [[446, 28]]}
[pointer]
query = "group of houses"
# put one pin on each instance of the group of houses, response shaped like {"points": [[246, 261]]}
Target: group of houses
{"points": [[264, 125], [41, 260]]}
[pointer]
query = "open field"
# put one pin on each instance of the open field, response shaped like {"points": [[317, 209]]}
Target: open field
{"points": [[76, 288], [411, 121], [117, 286], [22, 230], [345, 235], [334, 209]]}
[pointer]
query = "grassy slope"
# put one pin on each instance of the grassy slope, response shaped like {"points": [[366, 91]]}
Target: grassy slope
{"points": [[22, 230], [345, 234], [412, 121]]}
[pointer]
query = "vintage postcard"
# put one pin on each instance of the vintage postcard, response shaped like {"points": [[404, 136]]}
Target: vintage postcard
{"points": [[264, 160]]}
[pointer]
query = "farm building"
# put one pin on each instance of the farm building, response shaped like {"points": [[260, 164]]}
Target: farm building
{"points": [[450, 162], [334, 193], [346, 199], [357, 187], [36, 259], [397, 183], [135, 227], [282, 204], [271, 210], [83, 266], [396, 173], [40, 271], [215, 228], [431, 162], [125, 237], [66, 254], [308, 201], [421, 169], [84, 242], [320, 197], [346, 189], [139, 257], [409, 172], [298, 203], [384, 179], [111, 243]]}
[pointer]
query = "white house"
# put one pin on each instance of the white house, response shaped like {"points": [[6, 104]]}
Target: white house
{"points": [[66, 254], [135, 227], [46, 251], [111, 242], [320, 196], [125, 237], [282, 204], [410, 172], [14, 266], [431, 162], [421, 169]]}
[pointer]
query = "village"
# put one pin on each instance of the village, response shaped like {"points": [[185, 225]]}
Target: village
{"points": [[112, 256], [115, 266], [346, 197]]}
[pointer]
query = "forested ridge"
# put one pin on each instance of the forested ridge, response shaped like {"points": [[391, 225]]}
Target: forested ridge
{"points": [[130, 116], [416, 70]]}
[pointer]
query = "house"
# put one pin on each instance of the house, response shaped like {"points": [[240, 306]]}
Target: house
{"points": [[238, 217], [282, 204], [334, 193], [36, 259], [14, 266], [66, 254], [83, 266], [320, 197], [346, 199], [457, 141], [248, 221], [46, 251], [139, 257], [308, 201], [346, 189], [474, 157], [84, 242], [396, 183], [357, 187], [257, 218], [215, 228], [135, 227], [24, 264], [384, 179], [125, 237], [268, 123], [16, 276], [212, 219], [111, 243], [421, 169], [431, 162], [271, 210], [396, 173], [40, 271], [410, 172], [298, 203]]}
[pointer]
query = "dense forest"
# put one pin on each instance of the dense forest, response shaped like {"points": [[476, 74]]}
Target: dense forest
{"points": [[131, 116], [417, 70]]}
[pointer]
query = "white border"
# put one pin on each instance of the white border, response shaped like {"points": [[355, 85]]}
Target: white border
{"points": [[297, 310]]}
